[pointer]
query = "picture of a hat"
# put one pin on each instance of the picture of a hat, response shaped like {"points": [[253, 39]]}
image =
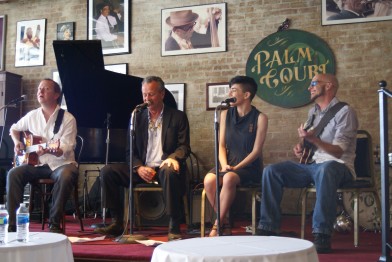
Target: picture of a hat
{"points": [[180, 18]]}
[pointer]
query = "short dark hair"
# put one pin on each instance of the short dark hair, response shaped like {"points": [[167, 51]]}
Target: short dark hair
{"points": [[157, 79], [247, 83]]}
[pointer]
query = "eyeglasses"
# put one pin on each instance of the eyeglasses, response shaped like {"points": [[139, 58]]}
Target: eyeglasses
{"points": [[315, 83]]}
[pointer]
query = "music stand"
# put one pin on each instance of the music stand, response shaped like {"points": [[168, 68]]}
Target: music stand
{"points": [[103, 224], [131, 238]]}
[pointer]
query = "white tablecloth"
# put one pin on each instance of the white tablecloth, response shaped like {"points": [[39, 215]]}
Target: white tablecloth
{"points": [[42, 247], [237, 248]]}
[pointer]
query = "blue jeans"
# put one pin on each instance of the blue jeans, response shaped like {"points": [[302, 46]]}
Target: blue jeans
{"points": [[327, 178]]}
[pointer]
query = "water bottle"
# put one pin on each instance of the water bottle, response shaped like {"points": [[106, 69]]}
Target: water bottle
{"points": [[3, 225], [22, 223]]}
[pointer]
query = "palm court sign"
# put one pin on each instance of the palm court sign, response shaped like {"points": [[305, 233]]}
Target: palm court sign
{"points": [[284, 63]]}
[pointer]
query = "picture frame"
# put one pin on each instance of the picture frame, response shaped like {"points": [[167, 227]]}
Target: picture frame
{"points": [[30, 43], [113, 32], [215, 94], [3, 23], [56, 78], [178, 92], [333, 13], [205, 37], [118, 68], [66, 31]]}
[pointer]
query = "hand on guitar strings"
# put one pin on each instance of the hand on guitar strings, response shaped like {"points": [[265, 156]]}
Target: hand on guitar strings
{"points": [[307, 135]]}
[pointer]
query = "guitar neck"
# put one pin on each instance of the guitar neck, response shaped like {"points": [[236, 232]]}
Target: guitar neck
{"points": [[34, 148]]}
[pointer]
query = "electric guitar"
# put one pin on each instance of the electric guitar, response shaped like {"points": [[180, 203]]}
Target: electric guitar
{"points": [[32, 144]]}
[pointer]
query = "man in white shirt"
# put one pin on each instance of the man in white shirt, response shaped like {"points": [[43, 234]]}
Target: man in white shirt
{"points": [[106, 26], [56, 161]]}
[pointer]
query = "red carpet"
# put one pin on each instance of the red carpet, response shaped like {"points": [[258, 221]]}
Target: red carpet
{"points": [[107, 250]]}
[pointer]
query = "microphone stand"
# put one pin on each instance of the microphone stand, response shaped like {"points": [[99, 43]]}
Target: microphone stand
{"points": [[216, 127], [103, 224], [131, 238]]}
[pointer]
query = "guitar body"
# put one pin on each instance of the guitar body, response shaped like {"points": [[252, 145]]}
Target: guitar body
{"points": [[28, 155], [307, 155]]}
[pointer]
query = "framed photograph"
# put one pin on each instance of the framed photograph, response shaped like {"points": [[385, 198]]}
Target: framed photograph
{"points": [[3, 22], [65, 31], [335, 12], [56, 78], [30, 43], [216, 93], [178, 91], [193, 29], [108, 21], [118, 68]]}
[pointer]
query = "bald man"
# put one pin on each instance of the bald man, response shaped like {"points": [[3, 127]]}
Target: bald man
{"points": [[331, 165]]}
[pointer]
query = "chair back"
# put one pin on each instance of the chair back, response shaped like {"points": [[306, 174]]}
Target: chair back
{"points": [[78, 148], [364, 163]]}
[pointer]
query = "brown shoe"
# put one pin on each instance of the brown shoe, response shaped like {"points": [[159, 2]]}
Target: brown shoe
{"points": [[111, 230], [174, 236]]}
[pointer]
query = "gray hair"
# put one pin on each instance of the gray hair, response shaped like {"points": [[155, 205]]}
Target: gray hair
{"points": [[157, 79]]}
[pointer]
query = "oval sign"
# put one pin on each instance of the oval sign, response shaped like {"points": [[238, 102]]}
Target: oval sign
{"points": [[284, 63]]}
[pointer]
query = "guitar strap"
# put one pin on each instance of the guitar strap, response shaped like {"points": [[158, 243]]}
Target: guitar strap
{"points": [[321, 125], [59, 119], [328, 116]]}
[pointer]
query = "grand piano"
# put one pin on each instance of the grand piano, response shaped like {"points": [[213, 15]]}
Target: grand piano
{"points": [[96, 96]]}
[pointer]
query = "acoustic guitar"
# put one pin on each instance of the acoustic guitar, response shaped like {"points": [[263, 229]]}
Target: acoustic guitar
{"points": [[307, 153], [32, 144]]}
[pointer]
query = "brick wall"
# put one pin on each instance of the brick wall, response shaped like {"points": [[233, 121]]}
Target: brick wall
{"points": [[362, 51]]}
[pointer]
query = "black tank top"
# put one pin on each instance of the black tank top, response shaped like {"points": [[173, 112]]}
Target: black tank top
{"points": [[240, 136]]}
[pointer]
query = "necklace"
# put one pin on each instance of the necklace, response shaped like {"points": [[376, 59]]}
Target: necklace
{"points": [[154, 125]]}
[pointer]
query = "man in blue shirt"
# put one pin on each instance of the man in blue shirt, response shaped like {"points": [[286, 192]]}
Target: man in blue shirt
{"points": [[331, 166]]}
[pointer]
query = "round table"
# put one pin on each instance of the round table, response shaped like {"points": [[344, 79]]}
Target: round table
{"points": [[237, 248], [42, 246]]}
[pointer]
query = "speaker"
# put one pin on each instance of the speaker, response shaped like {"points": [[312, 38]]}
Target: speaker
{"points": [[152, 209]]}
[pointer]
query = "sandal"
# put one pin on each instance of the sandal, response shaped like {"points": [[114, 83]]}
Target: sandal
{"points": [[225, 230]]}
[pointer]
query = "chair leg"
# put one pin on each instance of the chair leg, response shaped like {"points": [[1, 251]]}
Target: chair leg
{"points": [[356, 219], [254, 193], [76, 203], [202, 213], [303, 212]]}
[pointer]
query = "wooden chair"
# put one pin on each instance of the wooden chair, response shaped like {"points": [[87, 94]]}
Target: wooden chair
{"points": [[254, 189], [44, 186], [365, 182]]}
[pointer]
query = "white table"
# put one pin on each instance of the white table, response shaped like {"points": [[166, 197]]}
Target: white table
{"points": [[236, 248], [42, 246]]}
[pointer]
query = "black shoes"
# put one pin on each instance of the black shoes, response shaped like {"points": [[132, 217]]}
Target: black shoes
{"points": [[111, 230], [262, 232], [322, 242], [53, 228]]}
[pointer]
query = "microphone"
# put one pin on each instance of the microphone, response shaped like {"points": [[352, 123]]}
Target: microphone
{"points": [[17, 100], [229, 100], [144, 105]]}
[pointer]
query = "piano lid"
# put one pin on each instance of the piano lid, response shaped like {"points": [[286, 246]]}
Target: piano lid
{"points": [[91, 91]]}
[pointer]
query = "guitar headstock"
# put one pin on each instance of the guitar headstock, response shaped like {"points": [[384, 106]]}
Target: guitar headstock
{"points": [[285, 25], [53, 145]]}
